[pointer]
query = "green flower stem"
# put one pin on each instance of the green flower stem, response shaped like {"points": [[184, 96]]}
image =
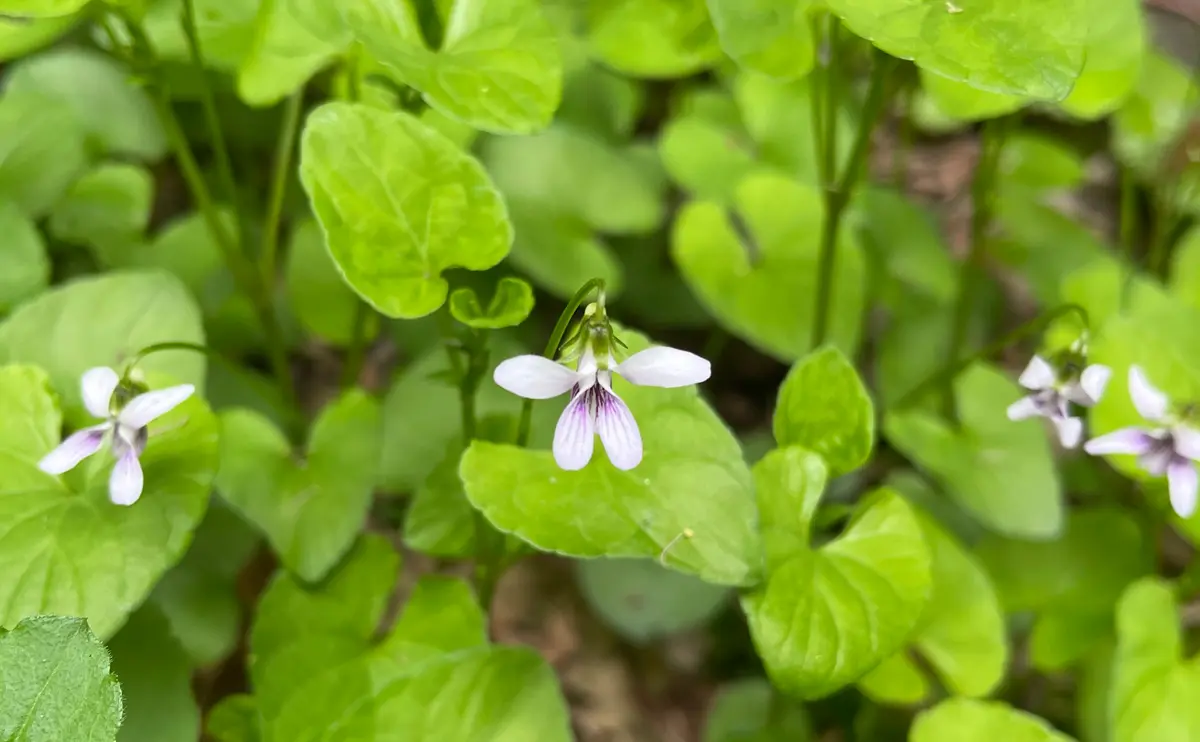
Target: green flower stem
{"points": [[837, 193], [279, 181], [1128, 229], [982, 193], [560, 329], [356, 353], [945, 377], [236, 262]]}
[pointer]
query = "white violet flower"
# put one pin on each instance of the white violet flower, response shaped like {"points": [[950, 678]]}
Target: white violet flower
{"points": [[1167, 448], [125, 423], [1052, 393], [594, 408]]}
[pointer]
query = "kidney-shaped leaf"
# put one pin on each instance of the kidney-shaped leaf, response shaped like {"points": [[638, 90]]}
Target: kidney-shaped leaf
{"points": [[692, 480], [55, 683], [824, 407], [399, 203], [509, 306], [770, 36], [65, 548], [498, 68], [652, 38], [965, 720], [828, 615], [1023, 47], [310, 511]]}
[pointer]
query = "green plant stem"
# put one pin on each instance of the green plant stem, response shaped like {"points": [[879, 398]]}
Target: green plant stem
{"points": [[1164, 232], [279, 182], [1128, 230], [946, 376], [356, 352], [982, 191], [560, 328], [208, 102], [837, 193], [830, 106], [239, 266]]}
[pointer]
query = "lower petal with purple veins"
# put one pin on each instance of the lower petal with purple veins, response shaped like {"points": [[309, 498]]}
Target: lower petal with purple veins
{"points": [[125, 482], [75, 448], [1124, 441], [575, 434], [1181, 478], [618, 430]]}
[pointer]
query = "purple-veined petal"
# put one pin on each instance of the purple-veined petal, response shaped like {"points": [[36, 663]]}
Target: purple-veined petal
{"points": [[1157, 460], [125, 482], [664, 367], [534, 377], [1093, 381], [618, 430], [1125, 440], [1070, 430], [77, 447], [1181, 478], [145, 408], [1039, 374], [97, 386], [575, 434], [1187, 441], [1149, 401], [1023, 408]]}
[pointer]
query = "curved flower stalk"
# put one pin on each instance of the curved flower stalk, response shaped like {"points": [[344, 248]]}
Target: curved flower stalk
{"points": [[1168, 447], [594, 408], [125, 425], [1054, 390]]}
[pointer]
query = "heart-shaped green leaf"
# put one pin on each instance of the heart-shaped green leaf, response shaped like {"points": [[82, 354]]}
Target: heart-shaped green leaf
{"points": [[509, 306], [19, 36], [1116, 43], [498, 67], [1153, 692], [41, 151], [23, 255], [603, 511], [965, 720], [156, 681], [310, 511], [108, 207], [101, 321], [1021, 47], [756, 268], [286, 49], [1001, 471], [42, 8], [823, 406], [399, 203], [644, 601], [67, 549], [828, 615], [55, 683], [317, 294], [770, 36], [742, 713]]}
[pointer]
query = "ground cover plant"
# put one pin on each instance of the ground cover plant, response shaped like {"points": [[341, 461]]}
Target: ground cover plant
{"points": [[540, 370]]}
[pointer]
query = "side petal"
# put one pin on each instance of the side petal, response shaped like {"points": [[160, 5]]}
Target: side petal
{"points": [[97, 386], [1039, 374], [125, 482], [145, 408], [618, 430], [1149, 401], [664, 367], [1023, 409], [575, 434], [1094, 380], [1181, 478], [534, 377], [1187, 441], [1070, 430], [1126, 440], [77, 447]]}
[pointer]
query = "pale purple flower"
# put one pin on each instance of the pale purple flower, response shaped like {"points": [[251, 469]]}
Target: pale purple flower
{"points": [[1052, 394], [1167, 448], [594, 408], [126, 426]]}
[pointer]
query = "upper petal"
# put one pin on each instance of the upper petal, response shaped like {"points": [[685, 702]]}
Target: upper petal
{"points": [[125, 482], [618, 430], [575, 434], [1039, 374], [75, 448], [1181, 478], [145, 408], [664, 367], [97, 386], [1094, 380], [1149, 401], [1125, 440], [535, 377]]}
